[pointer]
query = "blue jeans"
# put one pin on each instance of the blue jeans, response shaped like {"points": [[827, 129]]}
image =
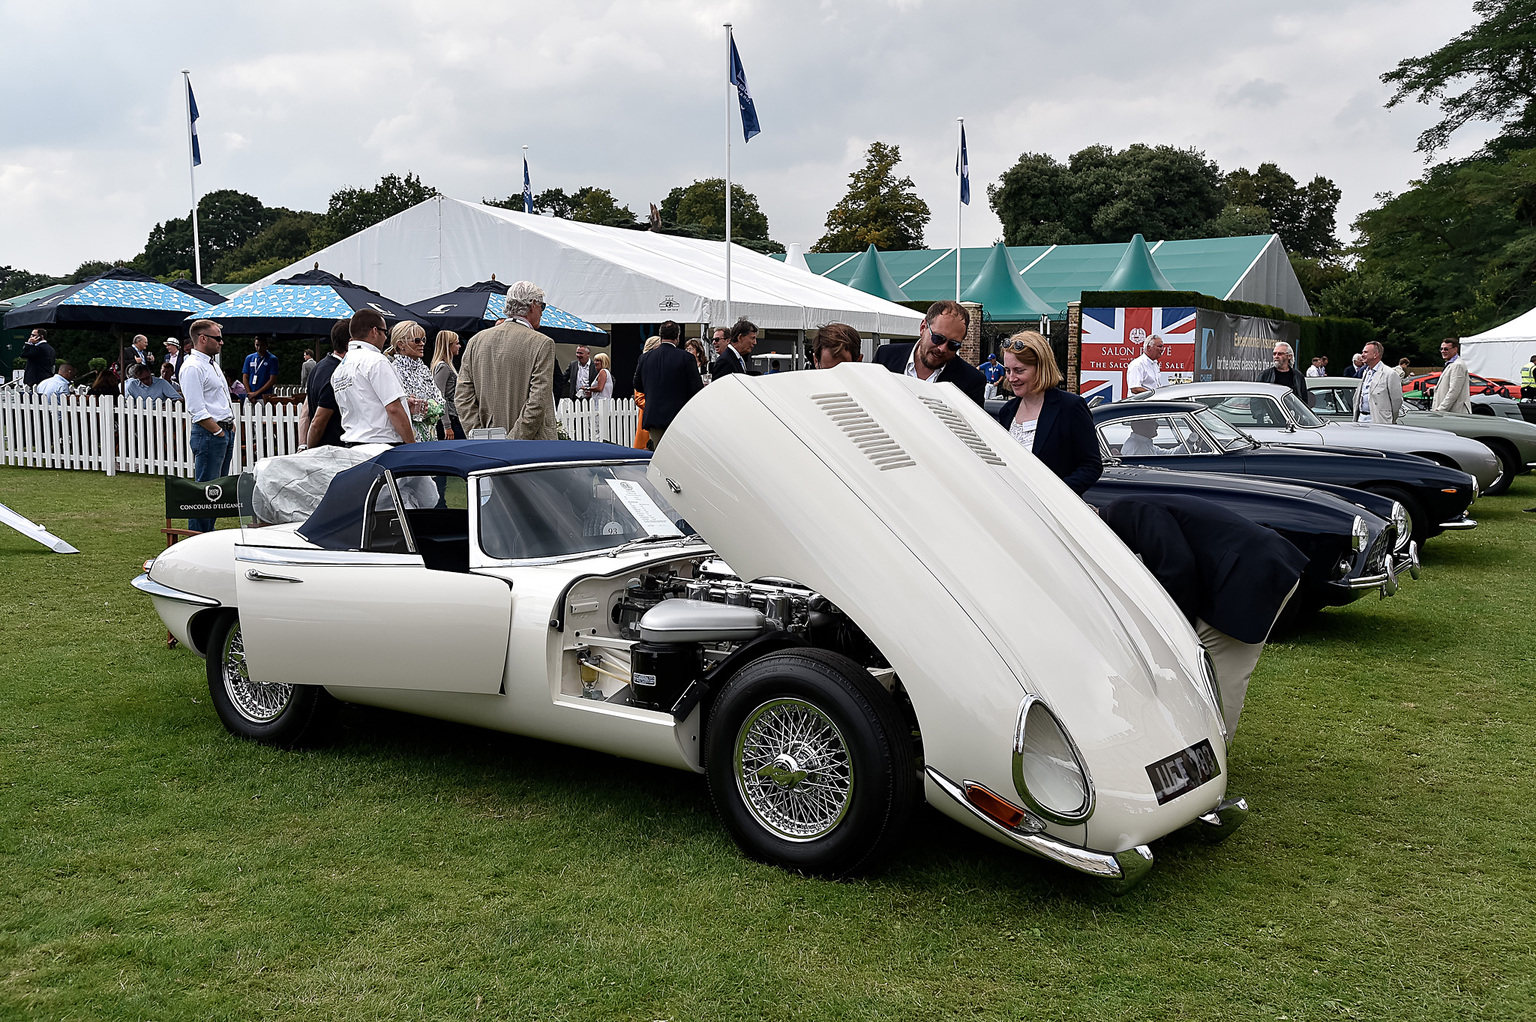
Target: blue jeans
{"points": [[210, 460]]}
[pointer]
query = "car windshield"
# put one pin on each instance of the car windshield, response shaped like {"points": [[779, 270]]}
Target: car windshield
{"points": [[571, 509], [1299, 412], [1228, 436]]}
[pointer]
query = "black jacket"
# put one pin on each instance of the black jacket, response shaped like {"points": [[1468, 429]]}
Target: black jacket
{"points": [[1065, 439], [40, 362], [668, 376], [971, 381], [725, 365], [1216, 565], [1297, 382]]}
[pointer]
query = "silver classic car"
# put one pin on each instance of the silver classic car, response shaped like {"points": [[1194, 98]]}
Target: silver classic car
{"points": [[1511, 439], [789, 598], [1274, 414]]}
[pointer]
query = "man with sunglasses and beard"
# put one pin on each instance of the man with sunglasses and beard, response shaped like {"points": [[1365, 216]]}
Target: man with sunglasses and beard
{"points": [[936, 355]]}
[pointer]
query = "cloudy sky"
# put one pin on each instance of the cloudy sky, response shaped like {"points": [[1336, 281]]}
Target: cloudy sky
{"points": [[299, 99]]}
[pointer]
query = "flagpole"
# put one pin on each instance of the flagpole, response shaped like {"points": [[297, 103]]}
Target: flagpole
{"points": [[527, 190], [728, 87], [959, 187], [197, 256]]}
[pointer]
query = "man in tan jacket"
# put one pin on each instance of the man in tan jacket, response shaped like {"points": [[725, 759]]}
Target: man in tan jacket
{"points": [[507, 375]]}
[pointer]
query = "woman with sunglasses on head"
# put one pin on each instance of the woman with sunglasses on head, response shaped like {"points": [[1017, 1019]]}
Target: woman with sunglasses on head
{"points": [[1053, 424]]}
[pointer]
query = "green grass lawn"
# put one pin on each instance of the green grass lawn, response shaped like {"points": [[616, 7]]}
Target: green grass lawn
{"points": [[153, 867]]}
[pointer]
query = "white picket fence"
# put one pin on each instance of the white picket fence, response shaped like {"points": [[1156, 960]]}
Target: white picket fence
{"points": [[122, 434]]}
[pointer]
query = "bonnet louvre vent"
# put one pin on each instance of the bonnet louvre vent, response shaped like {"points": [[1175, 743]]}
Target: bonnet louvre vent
{"points": [[962, 429], [867, 434]]}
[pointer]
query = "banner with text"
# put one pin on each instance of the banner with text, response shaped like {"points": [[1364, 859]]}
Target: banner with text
{"points": [[1234, 347], [1112, 338]]}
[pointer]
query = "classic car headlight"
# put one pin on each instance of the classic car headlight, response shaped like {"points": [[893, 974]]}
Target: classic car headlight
{"points": [[1359, 534], [1047, 771], [1208, 675], [1401, 531]]}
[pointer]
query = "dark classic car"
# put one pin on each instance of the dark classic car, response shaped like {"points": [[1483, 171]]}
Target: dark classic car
{"points": [[1352, 548], [1189, 436]]}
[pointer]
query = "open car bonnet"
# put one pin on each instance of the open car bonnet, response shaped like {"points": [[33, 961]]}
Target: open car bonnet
{"points": [[976, 571]]}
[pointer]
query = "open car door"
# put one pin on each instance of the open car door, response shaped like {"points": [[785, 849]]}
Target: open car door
{"points": [[377, 616]]}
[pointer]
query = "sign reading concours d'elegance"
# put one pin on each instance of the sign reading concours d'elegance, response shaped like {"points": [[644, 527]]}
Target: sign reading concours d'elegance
{"points": [[1198, 345]]}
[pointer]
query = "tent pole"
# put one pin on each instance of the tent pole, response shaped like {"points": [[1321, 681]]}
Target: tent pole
{"points": [[728, 88], [197, 255]]}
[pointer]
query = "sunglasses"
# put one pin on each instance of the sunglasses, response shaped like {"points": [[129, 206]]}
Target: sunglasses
{"points": [[940, 341]]}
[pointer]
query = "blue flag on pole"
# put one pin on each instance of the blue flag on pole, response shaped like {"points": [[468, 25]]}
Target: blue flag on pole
{"points": [[963, 168], [749, 125], [527, 189], [197, 151]]}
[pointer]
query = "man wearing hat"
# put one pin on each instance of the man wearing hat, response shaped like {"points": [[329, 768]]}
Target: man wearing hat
{"points": [[507, 376], [145, 385], [173, 354]]}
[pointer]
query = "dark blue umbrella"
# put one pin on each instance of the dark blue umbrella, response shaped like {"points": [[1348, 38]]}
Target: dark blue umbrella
{"points": [[470, 309], [119, 297], [304, 305]]}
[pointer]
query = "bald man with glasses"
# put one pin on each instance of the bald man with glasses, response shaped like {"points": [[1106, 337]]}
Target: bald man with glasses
{"points": [[935, 357]]}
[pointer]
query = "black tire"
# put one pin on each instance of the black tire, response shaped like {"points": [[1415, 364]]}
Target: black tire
{"points": [[1418, 520], [811, 764], [281, 715], [1509, 465]]}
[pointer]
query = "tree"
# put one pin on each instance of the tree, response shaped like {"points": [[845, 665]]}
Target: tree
{"points": [[698, 210], [1496, 58], [1303, 215], [355, 209], [1104, 196], [1456, 252], [587, 205], [1316, 275], [289, 238], [15, 282], [878, 210], [1241, 221], [226, 219]]}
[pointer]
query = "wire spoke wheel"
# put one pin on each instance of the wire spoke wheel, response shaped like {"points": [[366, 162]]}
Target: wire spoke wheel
{"points": [[259, 702], [793, 769]]}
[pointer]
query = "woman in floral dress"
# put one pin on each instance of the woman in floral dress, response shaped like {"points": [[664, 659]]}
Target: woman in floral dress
{"points": [[407, 343]]}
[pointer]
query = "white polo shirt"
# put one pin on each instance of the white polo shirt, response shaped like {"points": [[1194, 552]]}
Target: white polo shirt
{"points": [[1143, 372], [366, 385]]}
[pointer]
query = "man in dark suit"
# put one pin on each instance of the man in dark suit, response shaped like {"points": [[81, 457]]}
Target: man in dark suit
{"points": [[1229, 576], [733, 359], [668, 376], [936, 355]]}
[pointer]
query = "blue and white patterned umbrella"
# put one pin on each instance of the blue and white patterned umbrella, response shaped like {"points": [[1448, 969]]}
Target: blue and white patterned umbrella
{"points": [[119, 297], [470, 309], [304, 305]]}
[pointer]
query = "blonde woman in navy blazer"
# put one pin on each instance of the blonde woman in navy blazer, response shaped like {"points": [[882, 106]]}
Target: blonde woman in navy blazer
{"points": [[1053, 423]]}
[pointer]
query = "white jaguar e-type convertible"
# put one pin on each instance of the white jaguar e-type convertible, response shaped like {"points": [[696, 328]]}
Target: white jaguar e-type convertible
{"points": [[834, 593]]}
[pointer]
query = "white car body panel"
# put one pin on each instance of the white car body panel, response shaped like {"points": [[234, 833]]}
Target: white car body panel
{"points": [[1063, 609]]}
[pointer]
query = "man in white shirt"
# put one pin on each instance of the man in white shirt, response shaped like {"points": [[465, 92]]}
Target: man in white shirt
{"points": [[1144, 375], [368, 393], [1317, 367], [1454, 391], [213, 420], [1380, 397]]}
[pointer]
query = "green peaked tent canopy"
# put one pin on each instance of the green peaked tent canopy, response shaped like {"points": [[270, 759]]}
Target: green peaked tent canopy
{"points": [[1137, 271], [1002, 293], [871, 277]]}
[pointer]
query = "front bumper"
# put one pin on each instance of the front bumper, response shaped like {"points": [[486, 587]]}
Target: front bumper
{"points": [[1460, 522], [145, 584], [1387, 580], [1120, 870]]}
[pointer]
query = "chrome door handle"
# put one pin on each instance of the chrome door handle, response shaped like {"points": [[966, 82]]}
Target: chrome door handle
{"points": [[261, 576]]}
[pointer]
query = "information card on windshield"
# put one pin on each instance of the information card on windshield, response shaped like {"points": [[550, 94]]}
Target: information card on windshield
{"points": [[639, 504]]}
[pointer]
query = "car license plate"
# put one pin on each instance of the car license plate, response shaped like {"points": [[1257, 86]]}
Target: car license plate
{"points": [[1183, 771]]}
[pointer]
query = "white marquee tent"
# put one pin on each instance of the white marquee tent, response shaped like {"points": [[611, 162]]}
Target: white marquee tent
{"points": [[602, 274], [1499, 353]]}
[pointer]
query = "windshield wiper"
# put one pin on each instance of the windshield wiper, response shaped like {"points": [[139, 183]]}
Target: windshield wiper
{"points": [[644, 540]]}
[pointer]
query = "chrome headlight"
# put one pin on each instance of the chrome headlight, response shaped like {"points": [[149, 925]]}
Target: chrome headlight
{"points": [[1359, 535], [1402, 530], [1208, 675], [1048, 772]]}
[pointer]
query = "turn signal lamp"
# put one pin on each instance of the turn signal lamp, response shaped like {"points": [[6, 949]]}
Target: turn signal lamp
{"points": [[995, 806]]}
